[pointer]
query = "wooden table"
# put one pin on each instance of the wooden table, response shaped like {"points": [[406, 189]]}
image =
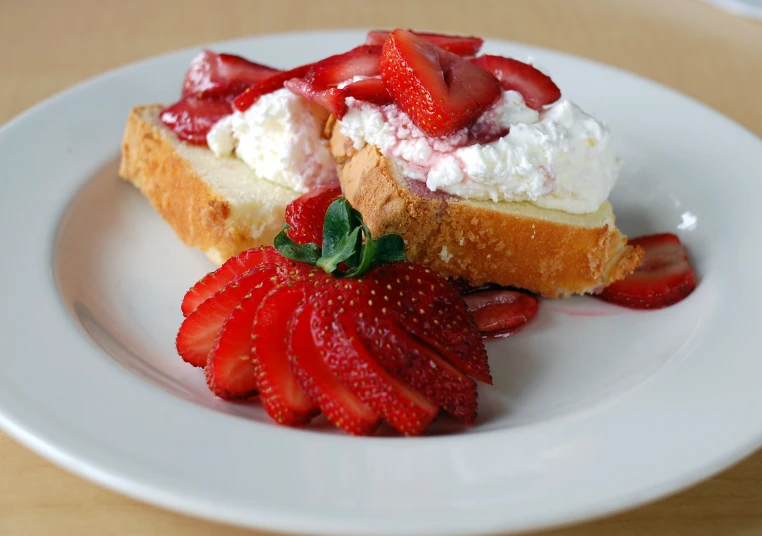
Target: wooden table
{"points": [[47, 46]]}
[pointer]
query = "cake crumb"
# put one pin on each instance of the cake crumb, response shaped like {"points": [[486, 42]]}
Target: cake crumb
{"points": [[444, 255], [462, 241]]}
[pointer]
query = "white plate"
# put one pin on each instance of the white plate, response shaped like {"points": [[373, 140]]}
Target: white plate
{"points": [[594, 408]]}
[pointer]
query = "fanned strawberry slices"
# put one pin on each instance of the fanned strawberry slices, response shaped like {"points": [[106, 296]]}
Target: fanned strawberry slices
{"points": [[347, 328]]}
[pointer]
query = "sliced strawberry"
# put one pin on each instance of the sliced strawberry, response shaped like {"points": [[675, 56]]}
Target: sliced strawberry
{"points": [[431, 309], [348, 357], [245, 100], [305, 214], [412, 361], [663, 278], [501, 312], [536, 87], [439, 90], [320, 83], [360, 61], [222, 75], [418, 328], [338, 403], [198, 332], [370, 90], [230, 270], [279, 390], [230, 371], [332, 99], [192, 119], [457, 44]]}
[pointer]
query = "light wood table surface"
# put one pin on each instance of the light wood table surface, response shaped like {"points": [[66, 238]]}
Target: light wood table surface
{"points": [[686, 44]]}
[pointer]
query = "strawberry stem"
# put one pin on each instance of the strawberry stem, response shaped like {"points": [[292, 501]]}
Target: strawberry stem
{"points": [[347, 243]]}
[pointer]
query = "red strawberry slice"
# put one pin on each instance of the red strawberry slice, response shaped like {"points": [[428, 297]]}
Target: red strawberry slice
{"points": [[198, 332], [370, 90], [279, 390], [663, 278], [536, 88], [320, 83], [245, 100], [360, 61], [348, 357], [425, 370], [332, 98], [305, 214], [501, 312], [230, 371], [222, 75], [192, 119], [439, 90], [230, 270], [431, 309], [338, 403], [457, 44]]}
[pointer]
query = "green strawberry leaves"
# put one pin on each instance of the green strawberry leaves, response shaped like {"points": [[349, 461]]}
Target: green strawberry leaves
{"points": [[348, 249]]}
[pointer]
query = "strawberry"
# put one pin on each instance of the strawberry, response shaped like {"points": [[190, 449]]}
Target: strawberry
{"points": [[198, 332], [230, 270], [663, 278], [282, 397], [436, 378], [347, 355], [536, 88], [332, 99], [360, 61], [457, 44], [221, 76], [320, 83], [245, 100], [432, 310], [305, 214], [501, 312], [230, 371], [192, 119], [336, 401], [362, 335], [422, 368], [391, 306], [369, 90], [439, 90]]}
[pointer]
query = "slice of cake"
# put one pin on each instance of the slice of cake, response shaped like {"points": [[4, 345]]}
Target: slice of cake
{"points": [[519, 244], [512, 192], [221, 178]]}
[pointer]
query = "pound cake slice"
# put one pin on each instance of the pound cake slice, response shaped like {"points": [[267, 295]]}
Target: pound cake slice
{"points": [[550, 252], [218, 205], [486, 172]]}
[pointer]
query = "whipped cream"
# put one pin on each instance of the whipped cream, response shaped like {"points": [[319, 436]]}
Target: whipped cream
{"points": [[279, 138], [559, 158]]}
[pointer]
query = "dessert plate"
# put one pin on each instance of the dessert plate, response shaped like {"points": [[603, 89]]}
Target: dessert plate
{"points": [[594, 409]]}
